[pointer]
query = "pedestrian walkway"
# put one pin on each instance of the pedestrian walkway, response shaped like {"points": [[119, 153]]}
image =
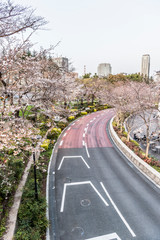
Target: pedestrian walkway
{"points": [[151, 152], [140, 128]]}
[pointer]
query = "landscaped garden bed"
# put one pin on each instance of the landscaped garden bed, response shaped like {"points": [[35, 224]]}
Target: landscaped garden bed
{"points": [[135, 147], [32, 221]]}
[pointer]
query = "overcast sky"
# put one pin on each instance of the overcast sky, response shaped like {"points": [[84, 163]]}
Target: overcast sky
{"points": [[90, 32]]}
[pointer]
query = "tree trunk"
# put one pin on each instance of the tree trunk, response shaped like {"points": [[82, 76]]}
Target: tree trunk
{"points": [[147, 149], [128, 135], [81, 101], [121, 127], [92, 98], [11, 99]]}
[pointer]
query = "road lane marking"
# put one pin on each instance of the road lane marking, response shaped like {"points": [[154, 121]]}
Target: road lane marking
{"points": [[83, 134], [106, 237], [83, 143], [60, 165], [86, 129], [79, 183], [73, 124], [69, 128], [61, 143], [65, 134], [86, 150], [119, 213]]}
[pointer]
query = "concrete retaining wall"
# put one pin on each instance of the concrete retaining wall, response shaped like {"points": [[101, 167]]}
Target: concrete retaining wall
{"points": [[138, 162]]}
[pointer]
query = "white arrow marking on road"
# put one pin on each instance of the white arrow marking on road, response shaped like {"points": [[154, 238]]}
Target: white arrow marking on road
{"points": [[106, 237], [119, 213], [79, 183], [60, 165]]}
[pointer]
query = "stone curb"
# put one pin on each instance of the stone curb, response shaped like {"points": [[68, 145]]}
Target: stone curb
{"points": [[146, 169]]}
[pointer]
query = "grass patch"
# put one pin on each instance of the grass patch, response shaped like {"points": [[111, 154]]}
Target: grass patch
{"points": [[27, 112]]}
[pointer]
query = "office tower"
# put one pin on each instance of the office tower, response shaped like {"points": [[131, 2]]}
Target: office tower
{"points": [[145, 65], [104, 69], [62, 63]]}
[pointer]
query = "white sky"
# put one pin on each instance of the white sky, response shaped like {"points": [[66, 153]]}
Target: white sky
{"points": [[118, 32]]}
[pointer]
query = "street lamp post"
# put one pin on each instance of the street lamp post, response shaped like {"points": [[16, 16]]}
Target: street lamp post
{"points": [[34, 162], [35, 177]]}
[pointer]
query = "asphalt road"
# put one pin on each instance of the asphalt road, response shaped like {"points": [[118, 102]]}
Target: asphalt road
{"points": [[95, 193]]}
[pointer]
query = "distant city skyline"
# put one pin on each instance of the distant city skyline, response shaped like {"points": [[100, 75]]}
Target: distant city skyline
{"points": [[96, 31]]}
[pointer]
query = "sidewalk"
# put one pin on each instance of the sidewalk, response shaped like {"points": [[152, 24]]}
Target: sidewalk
{"points": [[155, 127]]}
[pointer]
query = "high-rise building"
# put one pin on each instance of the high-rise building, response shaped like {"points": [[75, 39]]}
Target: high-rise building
{"points": [[145, 67], [157, 76], [62, 63], [104, 69]]}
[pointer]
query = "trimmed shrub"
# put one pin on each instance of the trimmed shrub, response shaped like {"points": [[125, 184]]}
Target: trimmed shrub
{"points": [[91, 106], [133, 141], [125, 134], [55, 132], [74, 110], [71, 118], [83, 113], [45, 144], [61, 125]]}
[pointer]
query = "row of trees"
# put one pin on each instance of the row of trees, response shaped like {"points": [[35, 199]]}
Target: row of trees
{"points": [[29, 80], [134, 100]]}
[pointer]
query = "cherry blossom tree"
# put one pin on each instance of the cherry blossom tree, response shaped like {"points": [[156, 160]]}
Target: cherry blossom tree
{"points": [[15, 18], [135, 99]]}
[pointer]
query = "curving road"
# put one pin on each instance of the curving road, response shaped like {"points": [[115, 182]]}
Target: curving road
{"points": [[95, 193]]}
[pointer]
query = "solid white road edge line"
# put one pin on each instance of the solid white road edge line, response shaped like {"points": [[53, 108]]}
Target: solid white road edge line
{"points": [[72, 157], [106, 237], [119, 213], [86, 150], [79, 183]]}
